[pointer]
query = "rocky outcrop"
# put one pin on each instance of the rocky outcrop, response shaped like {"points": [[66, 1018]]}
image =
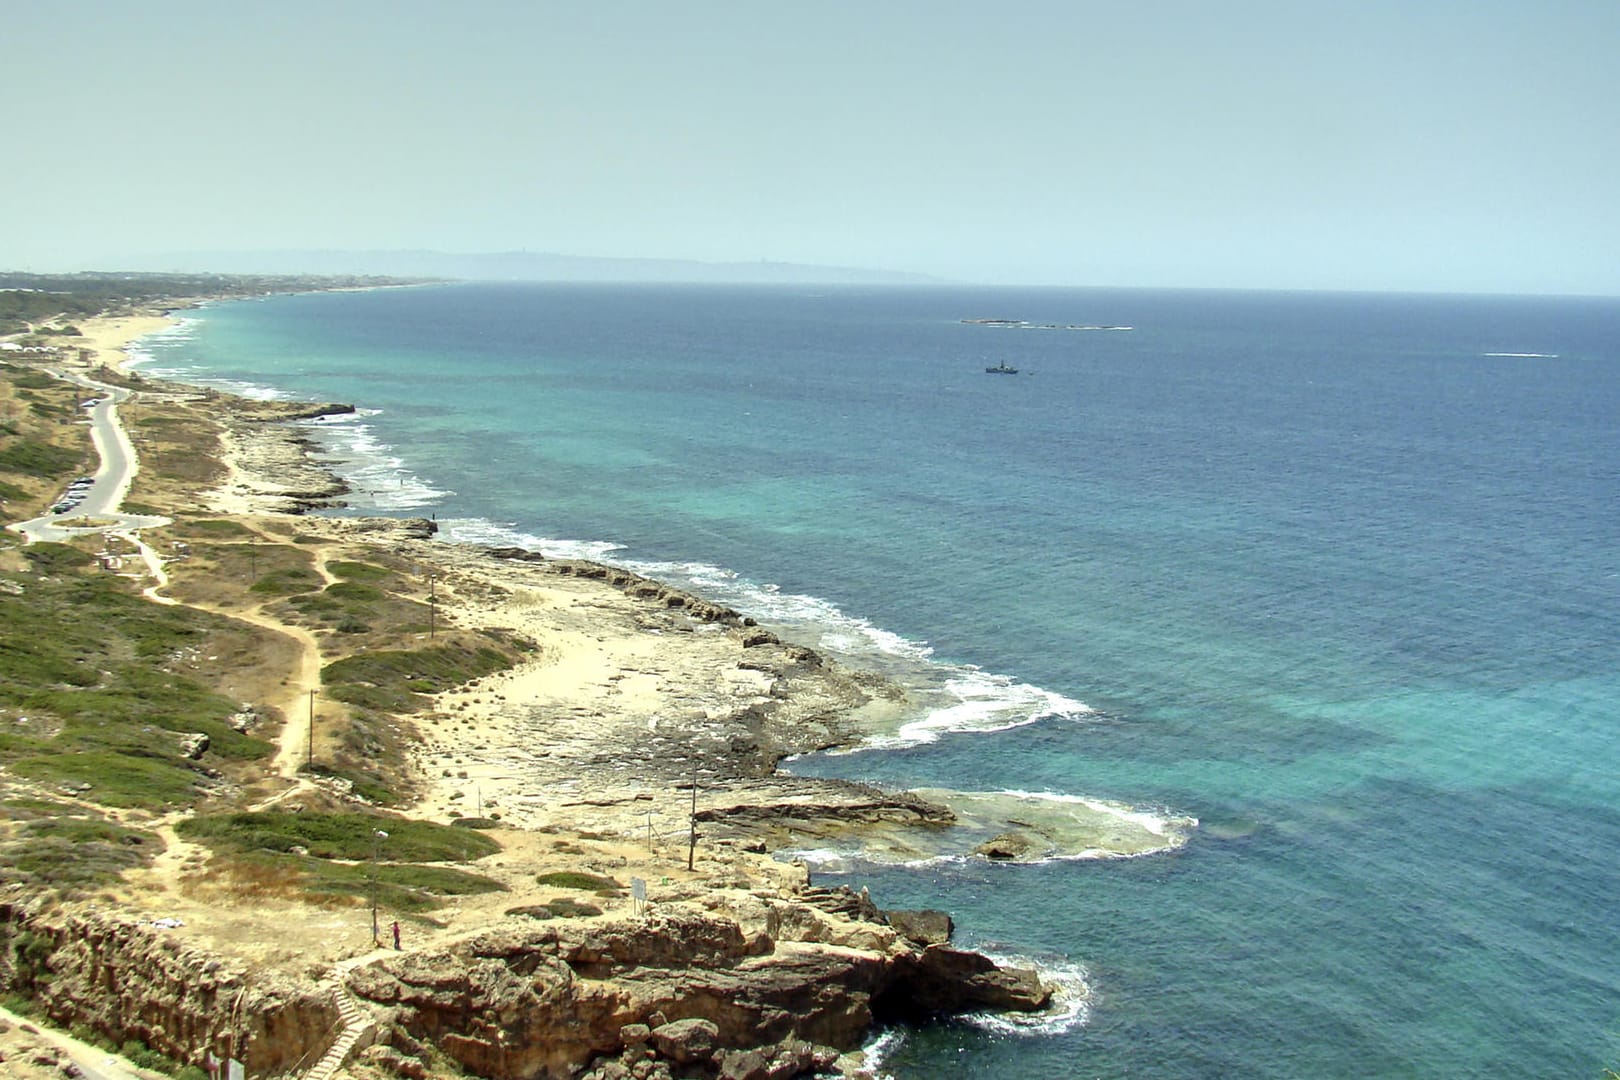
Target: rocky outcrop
{"points": [[1008, 846], [775, 989], [128, 981], [643, 588]]}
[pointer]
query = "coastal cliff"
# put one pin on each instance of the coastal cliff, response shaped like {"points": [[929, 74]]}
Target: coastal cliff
{"points": [[556, 780], [735, 987], [721, 980]]}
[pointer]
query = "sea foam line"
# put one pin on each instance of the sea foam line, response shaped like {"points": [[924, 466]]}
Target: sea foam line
{"points": [[964, 697], [369, 466], [953, 697], [1071, 999]]}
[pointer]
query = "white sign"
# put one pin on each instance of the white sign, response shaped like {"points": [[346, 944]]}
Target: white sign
{"points": [[233, 1070]]}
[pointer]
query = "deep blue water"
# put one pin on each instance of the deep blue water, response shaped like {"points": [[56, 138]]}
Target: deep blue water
{"points": [[1328, 577]]}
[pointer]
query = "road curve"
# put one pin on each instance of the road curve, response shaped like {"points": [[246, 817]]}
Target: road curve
{"points": [[99, 509]]}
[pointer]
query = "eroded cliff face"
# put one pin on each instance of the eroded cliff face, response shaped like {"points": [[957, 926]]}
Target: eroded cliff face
{"points": [[760, 986], [727, 982], [129, 981]]}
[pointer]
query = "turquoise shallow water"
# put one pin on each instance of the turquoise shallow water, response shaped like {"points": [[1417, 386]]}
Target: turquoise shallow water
{"points": [[1315, 569]]}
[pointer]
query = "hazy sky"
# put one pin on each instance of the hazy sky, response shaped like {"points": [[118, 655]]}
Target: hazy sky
{"points": [[1410, 145]]}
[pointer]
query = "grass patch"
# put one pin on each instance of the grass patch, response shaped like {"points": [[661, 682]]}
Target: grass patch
{"points": [[210, 528], [391, 680], [359, 571], [354, 592], [52, 558], [398, 889], [372, 787], [476, 823], [564, 908], [97, 670], [287, 582], [574, 879], [74, 852], [30, 457], [339, 836], [115, 779]]}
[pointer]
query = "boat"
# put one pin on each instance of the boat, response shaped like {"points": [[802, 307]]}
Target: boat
{"points": [[1001, 369]]}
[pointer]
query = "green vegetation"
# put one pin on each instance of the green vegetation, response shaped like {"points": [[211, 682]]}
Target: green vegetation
{"points": [[390, 681], [574, 879], [358, 571], [564, 908], [560, 908], [400, 888], [57, 845], [138, 1054], [287, 582], [50, 558], [404, 888], [493, 822], [210, 528], [97, 672], [354, 592], [339, 836], [282, 850], [30, 457], [30, 956], [368, 785]]}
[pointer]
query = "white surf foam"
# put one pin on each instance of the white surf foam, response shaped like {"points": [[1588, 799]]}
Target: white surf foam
{"points": [[485, 533], [984, 703], [1157, 822], [377, 475], [954, 697], [801, 616], [1071, 999], [876, 1054], [141, 350]]}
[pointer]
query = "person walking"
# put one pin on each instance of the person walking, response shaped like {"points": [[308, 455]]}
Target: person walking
{"points": [[396, 935]]}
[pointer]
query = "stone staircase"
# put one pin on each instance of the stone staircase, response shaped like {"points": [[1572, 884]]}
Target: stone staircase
{"points": [[357, 1030]]}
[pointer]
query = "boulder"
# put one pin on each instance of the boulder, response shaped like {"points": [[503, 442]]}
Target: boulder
{"points": [[1006, 847], [943, 980], [925, 927], [687, 1041]]}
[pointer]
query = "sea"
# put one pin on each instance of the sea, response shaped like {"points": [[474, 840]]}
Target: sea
{"points": [[1336, 575]]}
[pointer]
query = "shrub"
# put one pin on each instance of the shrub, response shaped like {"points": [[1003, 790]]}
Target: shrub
{"points": [[574, 879], [339, 836]]}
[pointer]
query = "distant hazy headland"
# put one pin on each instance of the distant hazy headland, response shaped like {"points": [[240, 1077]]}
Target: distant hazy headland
{"points": [[519, 266]]}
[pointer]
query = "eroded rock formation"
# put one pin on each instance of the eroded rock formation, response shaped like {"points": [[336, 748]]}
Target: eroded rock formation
{"points": [[768, 986]]}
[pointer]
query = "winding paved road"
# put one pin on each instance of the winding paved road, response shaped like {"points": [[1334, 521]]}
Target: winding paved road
{"points": [[111, 481]]}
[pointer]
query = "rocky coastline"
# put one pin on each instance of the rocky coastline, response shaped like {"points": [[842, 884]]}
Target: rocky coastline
{"points": [[639, 744]]}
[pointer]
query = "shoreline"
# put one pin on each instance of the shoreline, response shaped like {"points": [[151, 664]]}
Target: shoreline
{"points": [[272, 468], [638, 738]]}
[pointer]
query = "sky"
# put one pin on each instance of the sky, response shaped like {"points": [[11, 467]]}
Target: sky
{"points": [[1414, 145]]}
